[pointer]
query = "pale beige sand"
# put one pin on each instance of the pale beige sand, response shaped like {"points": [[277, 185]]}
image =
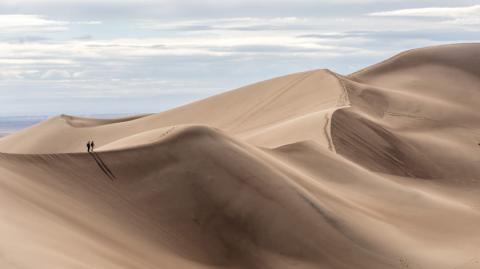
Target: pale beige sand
{"points": [[378, 169]]}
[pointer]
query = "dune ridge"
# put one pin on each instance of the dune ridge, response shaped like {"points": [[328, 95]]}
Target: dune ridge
{"points": [[377, 169]]}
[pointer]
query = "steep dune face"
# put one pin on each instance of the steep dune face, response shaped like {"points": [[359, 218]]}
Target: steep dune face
{"points": [[310, 170], [408, 111]]}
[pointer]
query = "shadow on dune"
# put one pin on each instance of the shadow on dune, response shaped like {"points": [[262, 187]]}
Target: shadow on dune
{"points": [[102, 165]]}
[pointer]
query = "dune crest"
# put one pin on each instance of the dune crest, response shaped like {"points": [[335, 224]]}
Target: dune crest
{"points": [[377, 169]]}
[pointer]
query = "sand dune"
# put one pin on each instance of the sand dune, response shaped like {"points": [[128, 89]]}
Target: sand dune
{"points": [[377, 169]]}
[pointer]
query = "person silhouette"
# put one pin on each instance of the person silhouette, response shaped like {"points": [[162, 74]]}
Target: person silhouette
{"points": [[88, 146], [92, 145]]}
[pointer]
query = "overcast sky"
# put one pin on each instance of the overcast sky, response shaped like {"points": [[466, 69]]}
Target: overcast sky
{"points": [[134, 56]]}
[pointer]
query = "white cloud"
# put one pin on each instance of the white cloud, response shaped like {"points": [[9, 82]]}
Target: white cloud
{"points": [[32, 61], [433, 12], [15, 23], [22, 23], [468, 15]]}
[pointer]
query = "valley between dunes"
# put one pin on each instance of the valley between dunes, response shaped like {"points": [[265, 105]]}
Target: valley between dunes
{"points": [[376, 169]]}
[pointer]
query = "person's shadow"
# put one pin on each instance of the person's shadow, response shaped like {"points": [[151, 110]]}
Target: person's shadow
{"points": [[102, 165]]}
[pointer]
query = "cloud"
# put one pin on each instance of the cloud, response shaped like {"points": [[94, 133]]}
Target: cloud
{"points": [[15, 23], [27, 39], [468, 15], [87, 22], [56, 74], [232, 24], [433, 12], [83, 37], [11, 74], [28, 23]]}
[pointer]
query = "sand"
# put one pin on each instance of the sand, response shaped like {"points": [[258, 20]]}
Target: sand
{"points": [[377, 169]]}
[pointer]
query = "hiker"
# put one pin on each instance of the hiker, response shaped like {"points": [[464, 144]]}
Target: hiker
{"points": [[92, 145], [88, 146]]}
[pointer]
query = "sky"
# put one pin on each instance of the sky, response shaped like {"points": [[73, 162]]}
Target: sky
{"points": [[87, 57]]}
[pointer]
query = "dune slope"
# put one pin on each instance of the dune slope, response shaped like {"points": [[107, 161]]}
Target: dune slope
{"points": [[378, 169]]}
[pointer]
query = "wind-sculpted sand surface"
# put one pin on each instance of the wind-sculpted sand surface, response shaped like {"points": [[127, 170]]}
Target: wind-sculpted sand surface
{"points": [[377, 169]]}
